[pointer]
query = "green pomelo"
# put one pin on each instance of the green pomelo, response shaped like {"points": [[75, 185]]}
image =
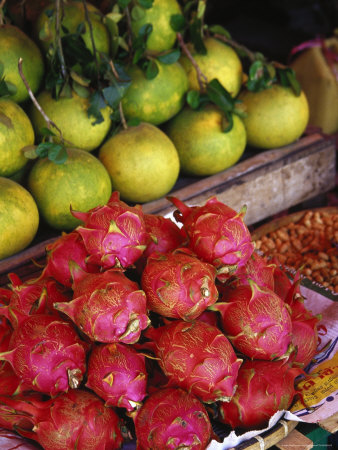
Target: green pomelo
{"points": [[70, 115], [80, 183], [162, 37], [220, 61], [16, 132], [15, 44], [202, 145], [156, 100], [275, 117], [74, 14], [19, 218], [142, 162]]}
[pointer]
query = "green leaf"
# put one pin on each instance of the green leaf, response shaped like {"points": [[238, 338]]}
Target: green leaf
{"points": [[151, 70], [255, 69], [195, 29], [177, 22], [146, 3], [137, 13], [45, 132], [134, 122], [218, 29], [96, 104], [57, 153], [83, 81], [112, 95], [170, 57], [43, 148], [193, 99], [123, 3], [81, 90], [227, 122], [288, 78], [29, 151], [201, 9], [2, 69], [220, 96], [7, 88]]}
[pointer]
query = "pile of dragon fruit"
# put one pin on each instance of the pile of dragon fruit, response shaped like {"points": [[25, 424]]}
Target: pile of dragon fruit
{"points": [[144, 329]]}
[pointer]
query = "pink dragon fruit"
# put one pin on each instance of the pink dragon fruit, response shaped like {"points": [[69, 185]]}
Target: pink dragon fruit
{"points": [[257, 269], [27, 298], [17, 412], [179, 285], [67, 250], [77, 419], [264, 387], [256, 321], [47, 354], [282, 282], [172, 418], [197, 357], [10, 383], [217, 234], [114, 234], [117, 374], [304, 325], [164, 236], [108, 307], [305, 340]]}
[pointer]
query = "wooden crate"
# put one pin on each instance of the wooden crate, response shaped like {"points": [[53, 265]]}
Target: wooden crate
{"points": [[267, 182]]}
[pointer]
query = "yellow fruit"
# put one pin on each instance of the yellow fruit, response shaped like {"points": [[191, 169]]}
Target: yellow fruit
{"points": [[16, 132], [82, 182], [158, 99], [73, 15], [162, 37], [70, 115], [142, 162], [275, 116], [220, 61], [202, 145], [15, 44], [19, 218]]}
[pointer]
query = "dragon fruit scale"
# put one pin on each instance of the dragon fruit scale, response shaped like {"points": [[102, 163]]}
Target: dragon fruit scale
{"points": [[62, 254], [197, 357], [256, 320], [107, 307], [114, 234], [179, 285], [264, 387], [164, 236], [172, 418], [76, 419], [117, 374], [47, 354], [216, 234]]}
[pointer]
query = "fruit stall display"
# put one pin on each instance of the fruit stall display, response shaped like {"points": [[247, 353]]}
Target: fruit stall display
{"points": [[131, 330], [135, 140], [147, 91]]}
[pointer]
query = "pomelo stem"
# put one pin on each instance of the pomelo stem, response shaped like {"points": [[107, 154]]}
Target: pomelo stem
{"points": [[199, 73], [2, 19], [36, 103], [58, 41]]}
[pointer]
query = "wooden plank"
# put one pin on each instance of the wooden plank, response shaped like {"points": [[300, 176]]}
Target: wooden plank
{"points": [[267, 183], [295, 440], [330, 424]]}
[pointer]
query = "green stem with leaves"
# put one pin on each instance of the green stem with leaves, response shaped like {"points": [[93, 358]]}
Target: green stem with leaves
{"points": [[201, 78], [48, 121]]}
